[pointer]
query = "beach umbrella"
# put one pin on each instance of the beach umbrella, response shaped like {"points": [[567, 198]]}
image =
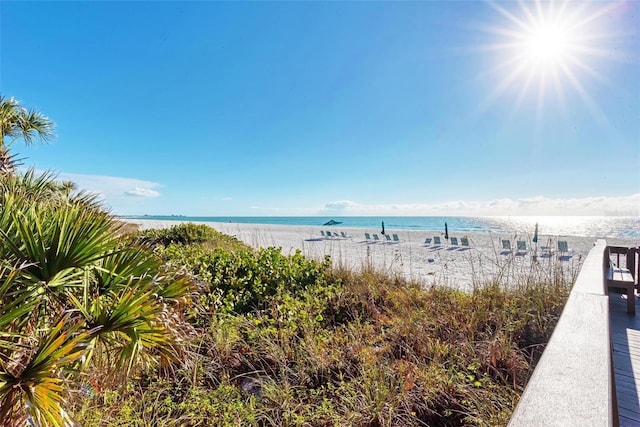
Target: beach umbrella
{"points": [[332, 222], [535, 240], [382, 232], [446, 231]]}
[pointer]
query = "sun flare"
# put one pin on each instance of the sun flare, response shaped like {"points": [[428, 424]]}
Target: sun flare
{"points": [[549, 47], [548, 44]]}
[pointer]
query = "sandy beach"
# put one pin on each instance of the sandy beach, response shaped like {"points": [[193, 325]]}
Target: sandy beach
{"points": [[446, 264]]}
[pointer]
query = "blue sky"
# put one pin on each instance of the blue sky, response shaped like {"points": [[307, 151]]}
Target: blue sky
{"points": [[340, 108]]}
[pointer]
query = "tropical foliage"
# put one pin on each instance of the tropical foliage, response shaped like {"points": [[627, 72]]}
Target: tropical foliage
{"points": [[18, 122], [77, 304]]}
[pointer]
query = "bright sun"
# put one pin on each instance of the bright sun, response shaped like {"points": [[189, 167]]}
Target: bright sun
{"points": [[549, 47], [548, 44]]}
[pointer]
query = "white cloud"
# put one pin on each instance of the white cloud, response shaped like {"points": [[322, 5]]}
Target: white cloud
{"points": [[112, 186], [227, 199], [540, 205], [142, 192]]}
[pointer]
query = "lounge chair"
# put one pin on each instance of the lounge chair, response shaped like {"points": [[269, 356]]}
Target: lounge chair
{"points": [[322, 232], [437, 241], [376, 238], [563, 249], [367, 236], [506, 247], [521, 246], [546, 251], [454, 241], [396, 238], [329, 235], [388, 238], [343, 235], [427, 241], [464, 242]]}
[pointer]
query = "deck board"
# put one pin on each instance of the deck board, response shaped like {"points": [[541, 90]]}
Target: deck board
{"points": [[625, 337]]}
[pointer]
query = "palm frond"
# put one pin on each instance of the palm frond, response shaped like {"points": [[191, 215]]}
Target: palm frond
{"points": [[56, 239], [37, 385], [115, 270], [31, 124], [18, 298], [29, 186]]}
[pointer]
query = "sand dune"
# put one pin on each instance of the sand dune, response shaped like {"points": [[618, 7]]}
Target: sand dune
{"points": [[482, 261]]}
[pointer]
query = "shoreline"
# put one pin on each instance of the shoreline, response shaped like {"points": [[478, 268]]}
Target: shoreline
{"points": [[582, 226], [483, 261]]}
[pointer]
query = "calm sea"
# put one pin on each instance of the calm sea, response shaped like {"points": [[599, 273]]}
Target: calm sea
{"points": [[589, 226]]}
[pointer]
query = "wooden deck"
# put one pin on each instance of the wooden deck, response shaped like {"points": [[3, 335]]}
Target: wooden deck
{"points": [[625, 335]]}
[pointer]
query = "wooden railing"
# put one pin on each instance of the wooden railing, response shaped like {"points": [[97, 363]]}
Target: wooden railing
{"points": [[630, 259], [573, 383]]}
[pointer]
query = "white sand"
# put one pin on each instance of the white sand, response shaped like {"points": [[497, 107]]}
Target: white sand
{"points": [[410, 258]]}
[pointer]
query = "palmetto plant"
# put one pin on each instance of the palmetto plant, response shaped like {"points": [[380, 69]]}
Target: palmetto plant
{"points": [[74, 298], [17, 122]]}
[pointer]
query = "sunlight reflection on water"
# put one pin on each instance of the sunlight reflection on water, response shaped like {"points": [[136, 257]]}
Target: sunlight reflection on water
{"points": [[591, 226]]}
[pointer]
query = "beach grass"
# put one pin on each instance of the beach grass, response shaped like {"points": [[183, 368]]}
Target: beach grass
{"points": [[284, 340]]}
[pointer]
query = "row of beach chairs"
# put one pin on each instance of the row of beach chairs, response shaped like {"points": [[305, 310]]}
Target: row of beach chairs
{"points": [[545, 251], [436, 241], [375, 239], [453, 242], [331, 235]]}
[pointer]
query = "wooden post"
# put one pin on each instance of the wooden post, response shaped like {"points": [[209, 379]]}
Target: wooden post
{"points": [[631, 261]]}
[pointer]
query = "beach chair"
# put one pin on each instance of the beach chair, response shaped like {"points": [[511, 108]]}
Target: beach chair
{"points": [[396, 238], [506, 247], [427, 241], [563, 249], [388, 238], [376, 238], [437, 241], [454, 241], [343, 235], [464, 242], [322, 232], [367, 236], [521, 247], [329, 235], [546, 251]]}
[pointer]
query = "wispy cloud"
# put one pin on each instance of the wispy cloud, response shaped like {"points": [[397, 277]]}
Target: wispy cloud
{"points": [[142, 192], [540, 205], [112, 186], [226, 199]]}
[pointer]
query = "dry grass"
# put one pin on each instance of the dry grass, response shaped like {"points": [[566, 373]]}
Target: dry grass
{"points": [[359, 348]]}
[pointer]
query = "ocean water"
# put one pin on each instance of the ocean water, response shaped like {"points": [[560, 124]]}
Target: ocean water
{"points": [[588, 226]]}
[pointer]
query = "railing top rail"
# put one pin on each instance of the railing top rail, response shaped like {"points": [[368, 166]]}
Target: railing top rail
{"points": [[572, 384], [621, 249]]}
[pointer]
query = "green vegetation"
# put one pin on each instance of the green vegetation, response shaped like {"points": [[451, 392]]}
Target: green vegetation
{"points": [[189, 327], [77, 304], [17, 122], [286, 341], [188, 234]]}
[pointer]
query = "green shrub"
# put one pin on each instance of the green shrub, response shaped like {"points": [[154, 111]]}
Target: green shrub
{"points": [[190, 234], [244, 280]]}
